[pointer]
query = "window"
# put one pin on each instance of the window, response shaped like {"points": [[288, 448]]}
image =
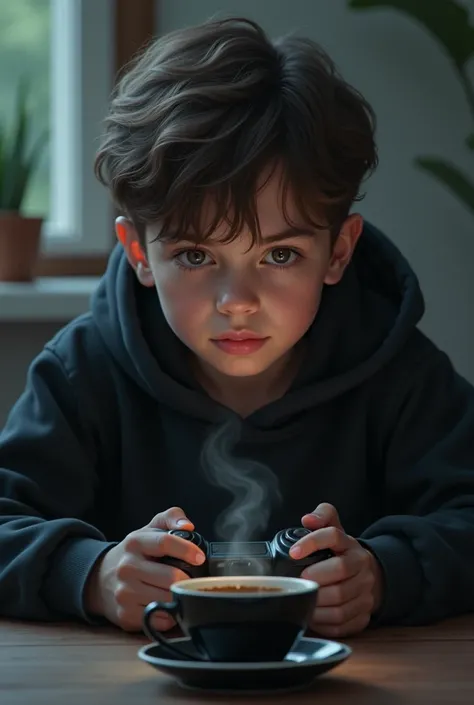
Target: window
{"points": [[65, 49]]}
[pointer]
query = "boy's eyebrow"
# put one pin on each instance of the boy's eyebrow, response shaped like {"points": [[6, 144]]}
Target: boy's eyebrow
{"points": [[276, 237], [289, 232]]}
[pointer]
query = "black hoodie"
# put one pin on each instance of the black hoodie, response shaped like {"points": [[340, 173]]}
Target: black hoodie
{"points": [[111, 425]]}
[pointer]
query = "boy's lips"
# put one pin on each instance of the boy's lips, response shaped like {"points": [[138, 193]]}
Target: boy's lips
{"points": [[242, 342], [239, 335]]}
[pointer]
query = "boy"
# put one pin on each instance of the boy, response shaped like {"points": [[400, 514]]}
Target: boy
{"points": [[242, 289]]}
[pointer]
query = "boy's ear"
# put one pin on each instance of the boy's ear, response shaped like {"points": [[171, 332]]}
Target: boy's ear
{"points": [[343, 248], [128, 238]]}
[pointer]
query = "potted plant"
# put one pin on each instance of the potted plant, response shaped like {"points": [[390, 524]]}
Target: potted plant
{"points": [[19, 235], [449, 24]]}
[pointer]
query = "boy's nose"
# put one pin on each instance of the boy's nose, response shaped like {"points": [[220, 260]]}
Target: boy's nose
{"points": [[237, 301]]}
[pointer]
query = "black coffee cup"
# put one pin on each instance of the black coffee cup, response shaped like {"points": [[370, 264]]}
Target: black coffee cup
{"points": [[238, 619]]}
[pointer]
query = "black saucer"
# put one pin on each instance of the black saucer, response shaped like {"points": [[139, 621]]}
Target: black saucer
{"points": [[308, 659]]}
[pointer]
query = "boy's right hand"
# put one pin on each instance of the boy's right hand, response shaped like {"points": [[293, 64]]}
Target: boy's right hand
{"points": [[126, 578]]}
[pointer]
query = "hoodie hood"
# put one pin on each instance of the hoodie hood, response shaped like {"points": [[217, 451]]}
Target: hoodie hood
{"points": [[362, 323]]}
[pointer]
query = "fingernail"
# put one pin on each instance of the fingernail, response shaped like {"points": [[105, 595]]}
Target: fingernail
{"points": [[295, 552], [182, 522], [199, 558]]}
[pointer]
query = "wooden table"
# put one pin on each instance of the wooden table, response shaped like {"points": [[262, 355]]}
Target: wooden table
{"points": [[68, 664]]}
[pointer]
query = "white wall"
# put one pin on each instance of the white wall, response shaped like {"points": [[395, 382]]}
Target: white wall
{"points": [[421, 110]]}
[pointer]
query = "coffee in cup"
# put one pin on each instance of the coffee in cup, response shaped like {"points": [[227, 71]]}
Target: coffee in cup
{"points": [[240, 589], [240, 619]]}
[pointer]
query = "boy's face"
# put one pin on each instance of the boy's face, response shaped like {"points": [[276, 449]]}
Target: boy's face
{"points": [[267, 294]]}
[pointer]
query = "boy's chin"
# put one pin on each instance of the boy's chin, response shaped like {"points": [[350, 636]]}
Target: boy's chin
{"points": [[242, 368]]}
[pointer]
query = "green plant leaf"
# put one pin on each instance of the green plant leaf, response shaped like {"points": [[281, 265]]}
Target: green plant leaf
{"points": [[19, 140], [451, 177], [2, 161], [447, 20], [25, 170], [18, 189], [470, 141], [16, 153], [17, 160]]}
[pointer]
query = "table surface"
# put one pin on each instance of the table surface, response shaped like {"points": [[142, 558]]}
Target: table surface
{"points": [[73, 664]]}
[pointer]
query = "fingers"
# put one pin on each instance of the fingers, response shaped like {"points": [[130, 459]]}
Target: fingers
{"points": [[338, 568], [157, 544], [130, 610], [326, 532], [341, 593], [139, 583], [346, 598], [341, 614], [328, 537], [324, 515], [338, 631], [163, 622], [173, 518], [133, 569], [137, 594]]}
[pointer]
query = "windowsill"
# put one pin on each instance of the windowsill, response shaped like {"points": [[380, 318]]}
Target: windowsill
{"points": [[46, 299]]}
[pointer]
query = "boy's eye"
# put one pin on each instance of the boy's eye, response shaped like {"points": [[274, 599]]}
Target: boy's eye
{"points": [[192, 258], [282, 256], [195, 258]]}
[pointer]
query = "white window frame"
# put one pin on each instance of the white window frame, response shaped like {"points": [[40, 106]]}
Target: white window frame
{"points": [[82, 74]]}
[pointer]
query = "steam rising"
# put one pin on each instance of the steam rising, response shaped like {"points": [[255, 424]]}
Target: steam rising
{"points": [[254, 486]]}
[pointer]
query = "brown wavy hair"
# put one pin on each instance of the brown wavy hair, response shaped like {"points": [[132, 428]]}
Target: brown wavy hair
{"points": [[204, 111]]}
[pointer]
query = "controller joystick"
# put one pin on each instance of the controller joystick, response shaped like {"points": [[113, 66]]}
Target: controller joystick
{"points": [[290, 536], [247, 558], [191, 536]]}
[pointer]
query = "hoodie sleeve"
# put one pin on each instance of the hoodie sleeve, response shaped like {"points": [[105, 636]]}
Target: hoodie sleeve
{"points": [[425, 543], [47, 488]]}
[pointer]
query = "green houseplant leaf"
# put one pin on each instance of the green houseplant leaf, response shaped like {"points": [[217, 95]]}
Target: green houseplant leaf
{"points": [[2, 161], [16, 147], [24, 172], [470, 141], [451, 177], [17, 161], [447, 20]]}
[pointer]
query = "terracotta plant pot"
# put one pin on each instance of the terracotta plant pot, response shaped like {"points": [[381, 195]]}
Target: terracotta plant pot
{"points": [[19, 246]]}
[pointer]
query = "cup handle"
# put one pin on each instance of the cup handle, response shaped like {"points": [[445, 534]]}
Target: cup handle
{"points": [[171, 608]]}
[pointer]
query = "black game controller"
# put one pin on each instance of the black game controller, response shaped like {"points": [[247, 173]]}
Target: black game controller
{"points": [[247, 558]]}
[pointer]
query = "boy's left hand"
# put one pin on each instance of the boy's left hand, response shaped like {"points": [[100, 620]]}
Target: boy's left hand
{"points": [[351, 582]]}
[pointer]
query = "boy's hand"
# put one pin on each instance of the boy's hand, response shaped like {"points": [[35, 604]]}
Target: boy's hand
{"points": [[126, 578], [351, 582]]}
